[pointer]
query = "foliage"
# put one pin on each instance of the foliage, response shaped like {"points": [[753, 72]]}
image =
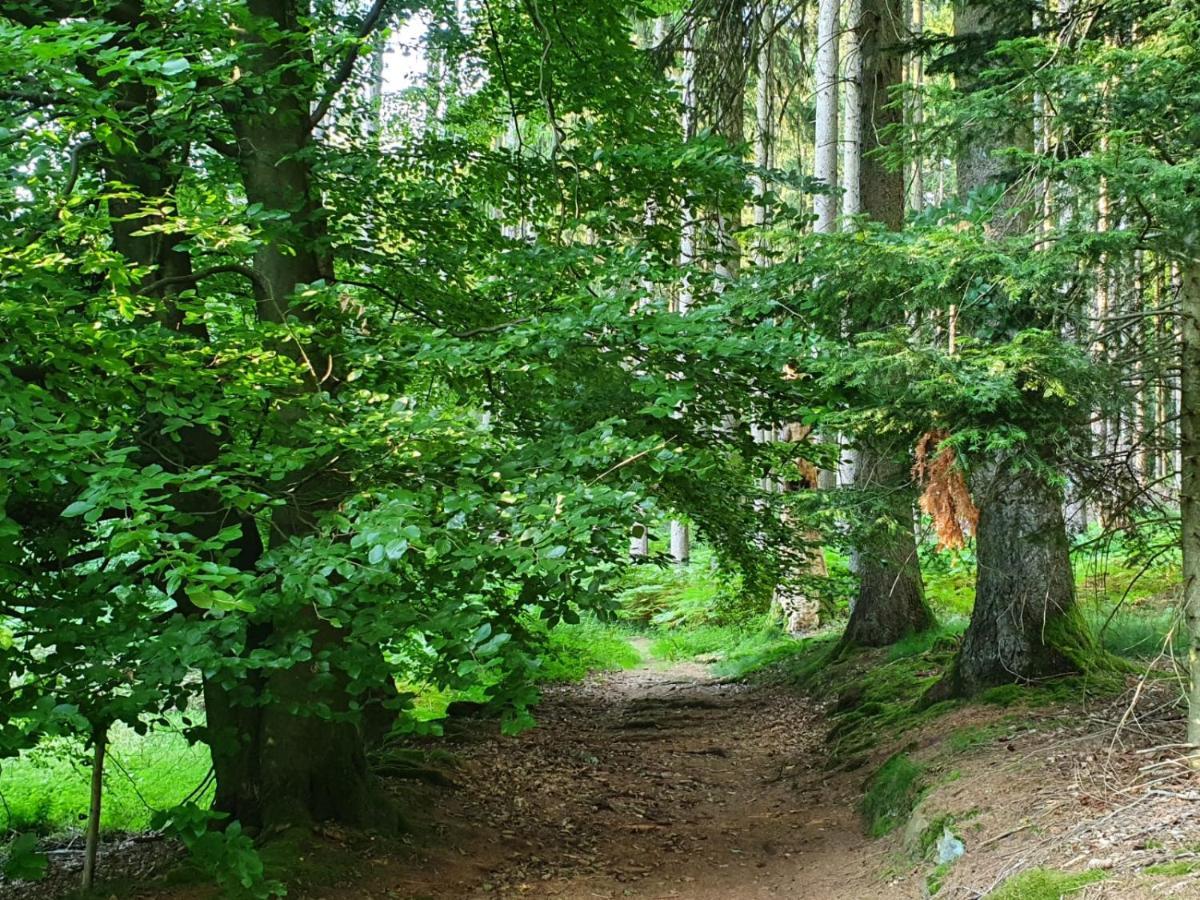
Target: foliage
{"points": [[227, 856], [22, 861], [46, 789]]}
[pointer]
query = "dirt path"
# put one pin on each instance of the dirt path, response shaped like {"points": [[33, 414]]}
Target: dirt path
{"points": [[653, 783]]}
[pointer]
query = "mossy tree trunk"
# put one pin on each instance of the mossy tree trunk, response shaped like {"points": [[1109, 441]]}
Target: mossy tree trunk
{"points": [[1025, 624]]}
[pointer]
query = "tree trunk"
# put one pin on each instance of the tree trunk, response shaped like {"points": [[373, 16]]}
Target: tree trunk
{"points": [[280, 765], [825, 150], [891, 598], [1025, 624], [852, 118], [1189, 497], [280, 758]]}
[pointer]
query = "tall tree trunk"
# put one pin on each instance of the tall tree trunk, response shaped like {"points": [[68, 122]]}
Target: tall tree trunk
{"points": [[851, 137], [1189, 497], [825, 150], [681, 539], [278, 762], [891, 597], [918, 105], [763, 130], [1025, 623]]}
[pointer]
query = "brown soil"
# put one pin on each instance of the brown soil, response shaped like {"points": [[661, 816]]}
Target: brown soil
{"points": [[652, 783]]}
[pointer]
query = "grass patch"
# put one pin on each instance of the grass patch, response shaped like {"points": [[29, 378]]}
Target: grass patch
{"points": [[1046, 884], [740, 651], [892, 793], [46, 789], [572, 652], [1178, 867], [965, 739]]}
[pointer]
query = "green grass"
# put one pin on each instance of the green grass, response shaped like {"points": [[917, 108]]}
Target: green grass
{"points": [[572, 652], [892, 793], [1176, 868], [46, 789], [1046, 884]]}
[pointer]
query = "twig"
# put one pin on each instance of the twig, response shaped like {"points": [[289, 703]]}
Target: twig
{"points": [[347, 65]]}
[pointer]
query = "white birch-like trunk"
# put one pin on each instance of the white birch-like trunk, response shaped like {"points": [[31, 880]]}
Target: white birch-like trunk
{"points": [[681, 550], [918, 106], [852, 119], [763, 132], [825, 152]]}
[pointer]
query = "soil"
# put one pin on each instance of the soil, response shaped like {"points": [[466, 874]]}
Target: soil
{"points": [[652, 783]]}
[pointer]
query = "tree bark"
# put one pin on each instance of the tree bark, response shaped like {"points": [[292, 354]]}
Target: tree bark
{"points": [[1189, 497], [852, 118], [825, 150], [1025, 624], [891, 597]]}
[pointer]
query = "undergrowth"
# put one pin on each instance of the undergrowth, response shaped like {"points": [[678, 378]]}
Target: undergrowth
{"points": [[46, 790]]}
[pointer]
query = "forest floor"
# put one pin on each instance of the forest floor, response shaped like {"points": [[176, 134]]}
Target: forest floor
{"points": [[666, 781], [660, 781]]}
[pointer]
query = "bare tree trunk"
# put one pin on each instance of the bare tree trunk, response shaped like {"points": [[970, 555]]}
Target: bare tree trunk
{"points": [[92, 837], [680, 536], [918, 105], [852, 117], [1189, 497], [764, 129], [825, 152]]}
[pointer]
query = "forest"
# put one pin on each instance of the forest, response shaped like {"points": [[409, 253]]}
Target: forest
{"points": [[705, 449]]}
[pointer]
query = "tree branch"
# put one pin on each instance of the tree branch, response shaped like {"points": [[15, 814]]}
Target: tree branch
{"points": [[344, 71], [398, 302], [193, 277]]}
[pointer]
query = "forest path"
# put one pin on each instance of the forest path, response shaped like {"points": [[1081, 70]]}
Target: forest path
{"points": [[656, 782]]}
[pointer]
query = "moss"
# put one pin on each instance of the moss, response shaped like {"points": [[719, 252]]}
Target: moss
{"points": [[1046, 884], [1002, 695], [973, 736], [1178, 867], [892, 792], [933, 881], [933, 833]]}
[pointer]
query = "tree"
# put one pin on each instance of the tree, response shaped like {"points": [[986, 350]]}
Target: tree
{"points": [[1025, 624], [891, 597], [825, 150]]}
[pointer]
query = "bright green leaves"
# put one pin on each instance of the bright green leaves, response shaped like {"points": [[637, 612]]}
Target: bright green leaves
{"points": [[22, 861]]}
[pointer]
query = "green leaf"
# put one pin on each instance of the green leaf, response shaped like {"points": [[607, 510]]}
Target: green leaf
{"points": [[24, 862], [175, 66]]}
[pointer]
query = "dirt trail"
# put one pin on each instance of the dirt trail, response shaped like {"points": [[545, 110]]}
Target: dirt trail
{"points": [[653, 783]]}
